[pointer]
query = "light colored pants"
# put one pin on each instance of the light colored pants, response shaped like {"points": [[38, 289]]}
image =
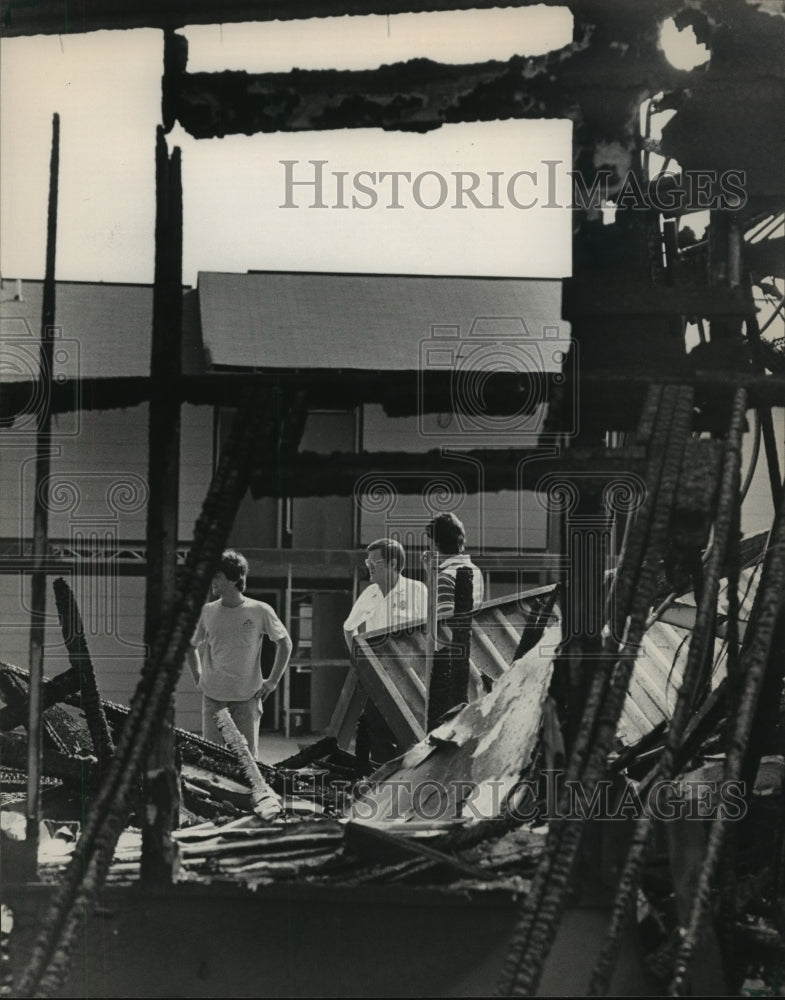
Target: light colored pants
{"points": [[246, 715]]}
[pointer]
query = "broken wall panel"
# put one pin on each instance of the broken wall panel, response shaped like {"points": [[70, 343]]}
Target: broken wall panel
{"points": [[469, 765]]}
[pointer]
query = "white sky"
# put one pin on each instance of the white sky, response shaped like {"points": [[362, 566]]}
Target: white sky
{"points": [[106, 87]]}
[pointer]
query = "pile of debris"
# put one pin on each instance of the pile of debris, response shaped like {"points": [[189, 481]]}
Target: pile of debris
{"points": [[472, 805]]}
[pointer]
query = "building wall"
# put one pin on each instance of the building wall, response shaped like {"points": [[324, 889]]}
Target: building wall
{"points": [[505, 520], [98, 479], [112, 610], [309, 522], [98, 489]]}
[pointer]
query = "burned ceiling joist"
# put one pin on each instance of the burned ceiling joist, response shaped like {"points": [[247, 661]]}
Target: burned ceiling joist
{"points": [[581, 79], [477, 471], [45, 17], [418, 96], [399, 396]]}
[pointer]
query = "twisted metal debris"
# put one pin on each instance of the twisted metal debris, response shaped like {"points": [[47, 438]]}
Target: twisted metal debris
{"points": [[726, 523], [542, 909], [754, 659]]}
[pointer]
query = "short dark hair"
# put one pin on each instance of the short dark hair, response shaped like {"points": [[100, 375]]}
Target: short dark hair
{"points": [[448, 533], [235, 568], [390, 549]]}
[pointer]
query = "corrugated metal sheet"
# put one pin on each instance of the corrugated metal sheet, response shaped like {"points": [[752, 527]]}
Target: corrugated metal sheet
{"points": [[278, 320], [659, 668]]}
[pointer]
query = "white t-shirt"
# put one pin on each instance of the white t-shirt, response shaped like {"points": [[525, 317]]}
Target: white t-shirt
{"points": [[405, 602], [229, 641]]}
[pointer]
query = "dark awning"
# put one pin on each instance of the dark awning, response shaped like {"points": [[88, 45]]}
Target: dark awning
{"points": [[274, 321]]}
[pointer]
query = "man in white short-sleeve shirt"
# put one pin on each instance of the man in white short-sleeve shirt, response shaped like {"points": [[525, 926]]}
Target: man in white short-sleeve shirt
{"points": [[391, 600], [225, 654]]}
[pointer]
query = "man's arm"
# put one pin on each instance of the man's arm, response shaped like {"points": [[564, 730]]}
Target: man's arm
{"points": [[348, 638], [194, 664], [283, 651]]}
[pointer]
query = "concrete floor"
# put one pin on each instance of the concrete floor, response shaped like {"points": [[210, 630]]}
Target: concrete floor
{"points": [[275, 747]]}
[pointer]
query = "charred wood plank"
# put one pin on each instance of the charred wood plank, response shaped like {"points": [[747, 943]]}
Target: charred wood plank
{"points": [[15, 694], [460, 652], [419, 95], [380, 846], [79, 771], [337, 474], [82, 667], [161, 779], [46, 17], [621, 392], [59, 729], [599, 295], [43, 456]]}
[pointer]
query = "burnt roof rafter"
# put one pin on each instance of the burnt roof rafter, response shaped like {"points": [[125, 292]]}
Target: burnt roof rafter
{"points": [[587, 78], [46, 17]]}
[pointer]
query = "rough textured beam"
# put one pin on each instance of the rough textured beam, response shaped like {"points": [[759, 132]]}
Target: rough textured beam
{"points": [[621, 392], [418, 96], [80, 771], [46, 17], [159, 851], [83, 670], [346, 474], [55, 690], [43, 455]]}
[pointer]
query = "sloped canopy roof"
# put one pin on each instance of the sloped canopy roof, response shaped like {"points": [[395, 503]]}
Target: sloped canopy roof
{"points": [[270, 321], [102, 331]]}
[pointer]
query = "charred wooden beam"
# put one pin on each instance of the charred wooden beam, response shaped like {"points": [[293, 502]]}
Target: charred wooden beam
{"points": [[46, 17], [80, 771], [59, 730], [599, 294], [344, 474], [621, 391], [83, 670], [159, 851], [599, 81], [14, 691], [41, 511], [460, 651], [378, 845], [419, 95]]}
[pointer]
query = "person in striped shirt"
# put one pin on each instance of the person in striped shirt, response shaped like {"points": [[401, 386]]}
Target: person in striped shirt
{"points": [[449, 536]]}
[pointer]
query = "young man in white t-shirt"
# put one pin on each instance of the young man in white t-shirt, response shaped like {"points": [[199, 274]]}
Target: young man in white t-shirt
{"points": [[225, 654]]}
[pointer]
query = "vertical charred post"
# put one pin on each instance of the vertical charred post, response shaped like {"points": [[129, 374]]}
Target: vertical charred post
{"points": [[161, 782], [461, 637], [41, 515], [82, 664]]}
